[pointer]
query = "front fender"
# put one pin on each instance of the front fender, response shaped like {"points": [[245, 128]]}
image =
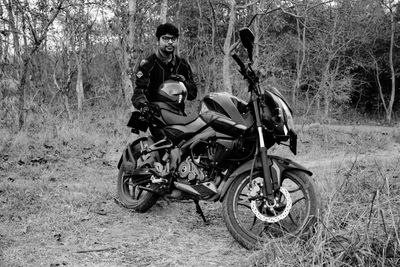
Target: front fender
{"points": [[278, 167]]}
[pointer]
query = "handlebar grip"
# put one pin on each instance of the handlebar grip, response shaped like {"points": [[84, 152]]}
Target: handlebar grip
{"points": [[239, 62]]}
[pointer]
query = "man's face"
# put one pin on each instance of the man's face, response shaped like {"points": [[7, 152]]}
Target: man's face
{"points": [[167, 43]]}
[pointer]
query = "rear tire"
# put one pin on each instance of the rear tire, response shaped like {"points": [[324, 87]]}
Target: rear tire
{"points": [[250, 231], [129, 195], [132, 197]]}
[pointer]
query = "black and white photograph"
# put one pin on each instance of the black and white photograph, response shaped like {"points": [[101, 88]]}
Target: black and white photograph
{"points": [[199, 133]]}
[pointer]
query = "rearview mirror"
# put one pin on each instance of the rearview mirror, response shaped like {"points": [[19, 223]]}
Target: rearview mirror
{"points": [[247, 39]]}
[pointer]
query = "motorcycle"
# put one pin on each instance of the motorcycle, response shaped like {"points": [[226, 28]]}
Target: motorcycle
{"points": [[222, 155]]}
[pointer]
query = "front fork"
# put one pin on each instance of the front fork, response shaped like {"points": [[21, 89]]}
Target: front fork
{"points": [[270, 184]]}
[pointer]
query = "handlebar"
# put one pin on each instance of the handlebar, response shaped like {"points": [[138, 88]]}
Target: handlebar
{"points": [[240, 63], [247, 72]]}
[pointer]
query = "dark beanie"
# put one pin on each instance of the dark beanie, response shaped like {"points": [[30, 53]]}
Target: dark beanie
{"points": [[167, 28]]}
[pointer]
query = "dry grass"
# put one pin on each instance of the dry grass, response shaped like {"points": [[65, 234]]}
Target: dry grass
{"points": [[57, 184]]}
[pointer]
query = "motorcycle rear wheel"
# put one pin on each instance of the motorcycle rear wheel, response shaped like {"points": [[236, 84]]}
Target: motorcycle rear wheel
{"points": [[133, 197], [252, 232]]}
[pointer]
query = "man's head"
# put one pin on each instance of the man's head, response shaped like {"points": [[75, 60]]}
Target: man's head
{"points": [[167, 35]]}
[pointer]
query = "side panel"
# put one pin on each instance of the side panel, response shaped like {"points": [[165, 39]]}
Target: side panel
{"points": [[204, 135], [279, 166]]}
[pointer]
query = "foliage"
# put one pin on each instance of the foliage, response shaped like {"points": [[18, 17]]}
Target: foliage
{"points": [[345, 47]]}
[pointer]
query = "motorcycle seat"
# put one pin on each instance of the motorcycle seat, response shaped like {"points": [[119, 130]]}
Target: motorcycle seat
{"points": [[173, 116]]}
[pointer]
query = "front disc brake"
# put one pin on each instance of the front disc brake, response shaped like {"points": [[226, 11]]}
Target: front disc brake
{"points": [[255, 204]]}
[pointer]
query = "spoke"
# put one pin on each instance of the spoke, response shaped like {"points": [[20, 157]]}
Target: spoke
{"points": [[295, 190], [244, 205], [291, 218], [281, 227], [257, 223], [132, 192], [295, 202], [139, 194], [254, 222], [243, 197], [126, 178], [260, 234]]}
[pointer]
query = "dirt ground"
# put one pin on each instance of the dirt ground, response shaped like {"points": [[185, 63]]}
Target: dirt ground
{"points": [[62, 212]]}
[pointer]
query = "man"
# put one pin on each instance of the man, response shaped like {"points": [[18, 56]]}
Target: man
{"points": [[162, 65]]}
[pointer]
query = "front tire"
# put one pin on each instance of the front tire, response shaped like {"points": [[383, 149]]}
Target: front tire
{"points": [[250, 231]]}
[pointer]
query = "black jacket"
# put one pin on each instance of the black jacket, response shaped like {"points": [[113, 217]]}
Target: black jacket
{"points": [[152, 72]]}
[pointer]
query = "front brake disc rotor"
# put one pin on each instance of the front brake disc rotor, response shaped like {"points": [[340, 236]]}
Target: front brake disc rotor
{"points": [[273, 219]]}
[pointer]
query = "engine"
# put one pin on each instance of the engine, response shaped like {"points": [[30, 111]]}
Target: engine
{"points": [[207, 158], [198, 166], [188, 170]]}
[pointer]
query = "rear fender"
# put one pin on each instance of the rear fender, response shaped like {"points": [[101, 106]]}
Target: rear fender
{"points": [[132, 149], [279, 166]]}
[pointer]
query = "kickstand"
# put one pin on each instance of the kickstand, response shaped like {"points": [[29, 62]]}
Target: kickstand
{"points": [[199, 210]]}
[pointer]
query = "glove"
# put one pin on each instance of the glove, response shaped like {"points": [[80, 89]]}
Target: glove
{"points": [[177, 77], [143, 103], [148, 109], [154, 109]]}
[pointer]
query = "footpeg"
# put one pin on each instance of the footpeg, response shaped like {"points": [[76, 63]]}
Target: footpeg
{"points": [[156, 180]]}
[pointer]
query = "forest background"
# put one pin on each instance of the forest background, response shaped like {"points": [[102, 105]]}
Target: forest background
{"points": [[333, 60], [65, 102]]}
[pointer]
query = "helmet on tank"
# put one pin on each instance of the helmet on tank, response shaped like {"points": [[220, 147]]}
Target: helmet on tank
{"points": [[172, 92]]}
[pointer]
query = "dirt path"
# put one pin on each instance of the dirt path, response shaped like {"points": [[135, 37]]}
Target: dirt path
{"points": [[64, 214]]}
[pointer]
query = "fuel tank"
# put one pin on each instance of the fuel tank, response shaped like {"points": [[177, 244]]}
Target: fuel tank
{"points": [[228, 105]]}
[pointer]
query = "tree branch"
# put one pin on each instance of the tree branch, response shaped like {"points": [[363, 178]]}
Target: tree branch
{"points": [[248, 4]]}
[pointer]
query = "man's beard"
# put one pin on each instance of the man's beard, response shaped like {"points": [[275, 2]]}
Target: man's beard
{"points": [[168, 51]]}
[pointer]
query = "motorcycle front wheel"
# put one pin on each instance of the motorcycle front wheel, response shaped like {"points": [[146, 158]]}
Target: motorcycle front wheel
{"points": [[249, 230]]}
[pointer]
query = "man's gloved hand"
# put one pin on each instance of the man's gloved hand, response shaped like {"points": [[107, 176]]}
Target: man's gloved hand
{"points": [[154, 109], [177, 77], [143, 103], [148, 109]]}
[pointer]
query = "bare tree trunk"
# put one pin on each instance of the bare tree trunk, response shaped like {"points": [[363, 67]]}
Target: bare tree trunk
{"points": [[77, 40], [17, 49], [378, 81], [1, 40], [324, 88], [64, 91], [164, 11], [213, 72], [392, 72], [227, 46], [128, 50], [178, 22], [17, 63], [300, 57], [256, 36], [79, 81]]}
